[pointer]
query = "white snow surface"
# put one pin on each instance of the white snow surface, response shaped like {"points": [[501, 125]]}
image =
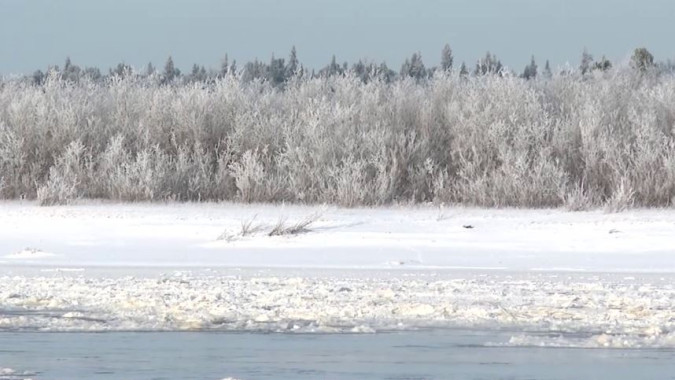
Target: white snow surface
{"points": [[554, 278], [29, 254], [186, 235]]}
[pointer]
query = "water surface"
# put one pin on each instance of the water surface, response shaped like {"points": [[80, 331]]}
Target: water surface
{"points": [[438, 354]]}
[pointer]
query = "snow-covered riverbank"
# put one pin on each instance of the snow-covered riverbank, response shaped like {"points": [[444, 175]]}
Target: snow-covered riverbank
{"points": [[189, 235]]}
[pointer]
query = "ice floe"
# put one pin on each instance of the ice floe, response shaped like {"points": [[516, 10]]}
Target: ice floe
{"points": [[569, 309]]}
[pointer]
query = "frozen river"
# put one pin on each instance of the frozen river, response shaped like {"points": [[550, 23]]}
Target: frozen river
{"points": [[429, 354]]}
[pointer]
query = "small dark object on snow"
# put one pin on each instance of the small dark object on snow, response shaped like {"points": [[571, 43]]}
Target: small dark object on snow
{"points": [[614, 231], [467, 226]]}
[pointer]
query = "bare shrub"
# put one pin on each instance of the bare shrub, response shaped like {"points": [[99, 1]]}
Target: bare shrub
{"points": [[282, 227], [248, 228], [578, 199], [622, 198]]}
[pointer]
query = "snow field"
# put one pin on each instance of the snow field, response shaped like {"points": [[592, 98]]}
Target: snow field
{"points": [[189, 235]]}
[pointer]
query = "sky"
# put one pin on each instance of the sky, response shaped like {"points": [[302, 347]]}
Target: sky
{"points": [[37, 33]]}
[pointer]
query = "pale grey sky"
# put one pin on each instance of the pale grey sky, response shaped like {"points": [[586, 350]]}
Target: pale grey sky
{"points": [[37, 33]]}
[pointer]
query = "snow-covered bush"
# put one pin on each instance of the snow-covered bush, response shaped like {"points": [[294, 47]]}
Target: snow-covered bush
{"points": [[66, 178], [12, 163]]}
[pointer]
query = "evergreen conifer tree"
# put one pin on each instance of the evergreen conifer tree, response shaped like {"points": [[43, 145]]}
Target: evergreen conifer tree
{"points": [[170, 71], [150, 69], [414, 67], [446, 58], [488, 65], [233, 67], [547, 71], [276, 72], [293, 64], [463, 71], [224, 67], [603, 64], [530, 71], [642, 60], [586, 62]]}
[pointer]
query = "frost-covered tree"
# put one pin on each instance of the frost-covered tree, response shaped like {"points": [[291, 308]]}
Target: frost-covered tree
{"points": [[446, 58], [198, 74], [170, 71], [368, 71], [361, 71], [293, 65], [71, 73], [489, 65], [463, 71], [38, 77], [414, 67], [233, 67], [276, 72], [666, 67], [150, 70], [642, 60], [548, 74], [122, 70], [332, 69], [254, 70], [92, 73], [530, 71], [603, 64], [385, 73], [224, 67], [586, 62]]}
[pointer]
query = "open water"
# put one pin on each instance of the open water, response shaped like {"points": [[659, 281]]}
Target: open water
{"points": [[432, 354]]}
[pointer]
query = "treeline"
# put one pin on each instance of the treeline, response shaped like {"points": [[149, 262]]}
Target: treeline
{"points": [[594, 136], [278, 71]]}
